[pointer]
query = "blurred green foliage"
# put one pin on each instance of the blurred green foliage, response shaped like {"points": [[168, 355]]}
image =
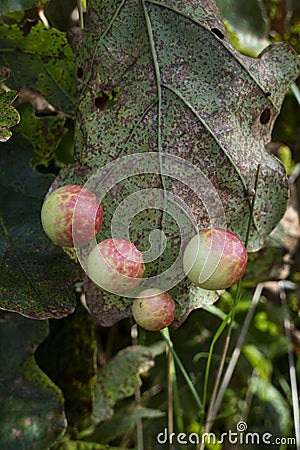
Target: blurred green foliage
{"points": [[82, 358]]}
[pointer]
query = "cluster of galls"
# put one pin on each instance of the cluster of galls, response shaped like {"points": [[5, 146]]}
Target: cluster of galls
{"points": [[214, 258]]}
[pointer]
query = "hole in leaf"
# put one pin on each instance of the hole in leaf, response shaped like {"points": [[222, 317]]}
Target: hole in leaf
{"points": [[265, 116], [268, 94], [217, 32], [79, 73], [106, 100], [101, 101]]}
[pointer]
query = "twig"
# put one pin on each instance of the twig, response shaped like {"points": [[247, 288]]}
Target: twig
{"points": [[192, 388], [293, 378], [137, 395], [234, 359], [80, 12], [170, 391]]}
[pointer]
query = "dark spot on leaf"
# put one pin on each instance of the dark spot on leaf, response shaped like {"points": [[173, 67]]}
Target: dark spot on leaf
{"points": [[268, 94], [101, 101], [265, 116], [217, 32], [79, 73], [106, 100]]}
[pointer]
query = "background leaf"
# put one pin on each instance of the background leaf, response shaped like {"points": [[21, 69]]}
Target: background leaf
{"points": [[32, 414], [41, 60], [247, 24], [260, 363], [68, 356], [275, 405], [274, 261], [9, 116], [19, 5], [36, 279], [122, 422], [120, 378], [45, 133]]}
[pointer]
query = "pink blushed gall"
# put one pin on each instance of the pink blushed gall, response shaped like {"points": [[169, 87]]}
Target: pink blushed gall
{"points": [[115, 265], [71, 215], [154, 309], [215, 259]]}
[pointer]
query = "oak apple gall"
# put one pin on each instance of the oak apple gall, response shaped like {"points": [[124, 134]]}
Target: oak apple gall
{"points": [[215, 259]]}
